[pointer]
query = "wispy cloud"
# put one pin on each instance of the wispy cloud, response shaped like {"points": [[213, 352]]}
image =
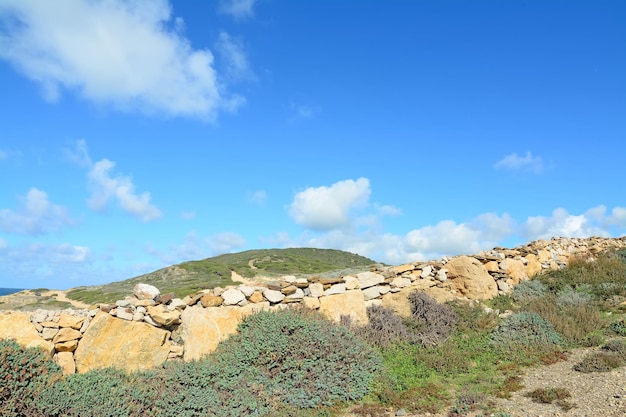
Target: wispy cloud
{"points": [[526, 163], [258, 197], [238, 9], [35, 216], [105, 187], [125, 54], [235, 60]]}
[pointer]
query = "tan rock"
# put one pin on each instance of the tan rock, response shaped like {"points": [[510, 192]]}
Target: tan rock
{"points": [[48, 333], [66, 334], [441, 295], [533, 266], [50, 324], [256, 297], [209, 300], [492, 266], [17, 326], [400, 269], [398, 302], [163, 316], [66, 361], [311, 302], [516, 270], [67, 320], [544, 256], [69, 346], [203, 328], [470, 278], [350, 303], [128, 345]]}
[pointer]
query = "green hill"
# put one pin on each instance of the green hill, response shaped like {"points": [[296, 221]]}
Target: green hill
{"points": [[189, 277]]}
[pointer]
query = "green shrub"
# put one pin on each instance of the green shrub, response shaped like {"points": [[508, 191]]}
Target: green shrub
{"points": [[570, 297], [525, 329], [23, 373], [617, 346], [618, 327], [527, 291], [294, 356], [104, 392], [550, 395]]}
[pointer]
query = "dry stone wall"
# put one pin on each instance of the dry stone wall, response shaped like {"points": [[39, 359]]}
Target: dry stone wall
{"points": [[148, 328]]}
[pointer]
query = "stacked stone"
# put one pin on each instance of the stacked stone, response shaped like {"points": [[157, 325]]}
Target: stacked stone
{"points": [[64, 329]]}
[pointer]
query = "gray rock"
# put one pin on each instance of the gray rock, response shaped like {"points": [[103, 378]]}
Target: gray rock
{"points": [[369, 279], [273, 296], [233, 297], [146, 292]]}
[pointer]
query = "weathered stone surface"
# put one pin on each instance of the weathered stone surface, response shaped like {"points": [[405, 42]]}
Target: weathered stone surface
{"points": [[371, 293], [492, 266], [350, 303], [400, 269], [163, 316], [516, 270], [311, 302], [296, 295], [203, 328], [50, 324], [146, 292], [69, 346], [233, 297], [66, 361], [369, 279], [67, 320], [533, 266], [209, 300], [398, 302], [400, 282], [288, 290], [352, 283], [124, 313], [16, 325], [442, 275], [48, 333], [426, 271], [470, 278], [66, 334], [336, 289], [441, 295], [246, 290], [273, 296], [256, 297], [122, 344], [316, 289]]}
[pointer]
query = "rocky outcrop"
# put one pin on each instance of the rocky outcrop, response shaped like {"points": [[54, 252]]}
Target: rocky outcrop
{"points": [[470, 278], [124, 344], [16, 325]]}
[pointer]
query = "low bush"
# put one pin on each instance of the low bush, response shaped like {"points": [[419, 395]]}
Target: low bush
{"points": [[570, 297], [295, 357], [599, 362], [24, 372], [384, 327], [527, 291], [560, 396], [617, 346], [434, 321], [527, 330]]}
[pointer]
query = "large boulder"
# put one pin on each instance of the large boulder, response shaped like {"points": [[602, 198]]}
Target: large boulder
{"points": [[128, 345], [470, 278], [351, 303], [516, 270], [202, 329], [17, 326]]}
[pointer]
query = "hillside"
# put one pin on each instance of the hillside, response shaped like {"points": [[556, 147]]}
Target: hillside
{"points": [[188, 277]]}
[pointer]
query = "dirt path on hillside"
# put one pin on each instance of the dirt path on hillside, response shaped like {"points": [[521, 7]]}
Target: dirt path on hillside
{"points": [[61, 295]]}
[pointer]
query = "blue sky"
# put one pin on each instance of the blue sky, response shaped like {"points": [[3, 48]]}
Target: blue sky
{"points": [[140, 134]]}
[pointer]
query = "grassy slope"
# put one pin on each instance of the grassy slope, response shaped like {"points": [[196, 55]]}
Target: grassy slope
{"points": [[188, 277]]}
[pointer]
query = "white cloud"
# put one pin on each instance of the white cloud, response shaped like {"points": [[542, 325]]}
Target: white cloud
{"points": [[258, 197], [238, 9], [194, 247], [236, 66], [188, 215], [617, 217], [36, 216], [79, 155], [527, 163], [105, 188], [128, 54], [561, 223], [326, 208]]}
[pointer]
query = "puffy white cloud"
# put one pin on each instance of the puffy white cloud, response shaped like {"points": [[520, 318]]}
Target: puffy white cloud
{"points": [[617, 217], [238, 9], [128, 54], [104, 188], [561, 223], [326, 208], [36, 215], [527, 163]]}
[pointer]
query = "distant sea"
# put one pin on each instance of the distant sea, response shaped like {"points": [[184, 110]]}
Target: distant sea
{"points": [[7, 291]]}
